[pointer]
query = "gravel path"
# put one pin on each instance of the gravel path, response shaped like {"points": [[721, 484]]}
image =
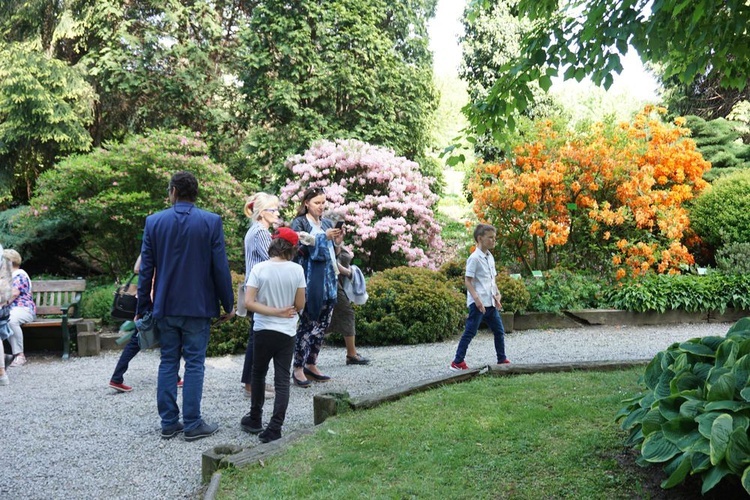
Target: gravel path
{"points": [[67, 435]]}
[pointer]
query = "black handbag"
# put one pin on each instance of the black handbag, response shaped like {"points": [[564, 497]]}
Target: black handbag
{"points": [[125, 302]]}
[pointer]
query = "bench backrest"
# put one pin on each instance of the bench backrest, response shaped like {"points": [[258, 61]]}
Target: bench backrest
{"points": [[51, 295]]}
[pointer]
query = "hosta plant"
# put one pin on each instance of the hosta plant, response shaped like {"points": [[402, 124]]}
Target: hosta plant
{"points": [[694, 416]]}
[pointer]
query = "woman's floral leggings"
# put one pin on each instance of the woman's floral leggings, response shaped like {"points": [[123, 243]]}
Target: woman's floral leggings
{"points": [[310, 335]]}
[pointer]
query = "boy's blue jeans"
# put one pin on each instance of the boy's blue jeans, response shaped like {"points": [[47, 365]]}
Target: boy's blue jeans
{"points": [[492, 319]]}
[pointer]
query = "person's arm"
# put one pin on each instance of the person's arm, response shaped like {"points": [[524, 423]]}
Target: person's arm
{"points": [[344, 271], [137, 266], [261, 244], [146, 274], [220, 271], [299, 300], [332, 233], [16, 287], [469, 281], [497, 296], [252, 304]]}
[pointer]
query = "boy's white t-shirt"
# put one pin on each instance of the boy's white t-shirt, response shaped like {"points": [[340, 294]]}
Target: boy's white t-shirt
{"points": [[481, 266], [277, 284]]}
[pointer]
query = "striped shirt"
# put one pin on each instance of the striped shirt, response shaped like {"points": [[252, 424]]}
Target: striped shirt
{"points": [[257, 241]]}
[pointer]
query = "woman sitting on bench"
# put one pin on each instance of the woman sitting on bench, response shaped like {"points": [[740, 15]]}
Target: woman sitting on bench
{"points": [[23, 309]]}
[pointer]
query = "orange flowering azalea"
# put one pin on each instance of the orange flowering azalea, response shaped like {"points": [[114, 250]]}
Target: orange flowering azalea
{"points": [[619, 188]]}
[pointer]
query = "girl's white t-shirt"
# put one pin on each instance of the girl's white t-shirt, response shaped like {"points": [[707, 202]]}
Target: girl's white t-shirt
{"points": [[277, 283]]}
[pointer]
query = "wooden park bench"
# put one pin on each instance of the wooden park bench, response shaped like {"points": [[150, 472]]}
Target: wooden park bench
{"points": [[57, 306]]}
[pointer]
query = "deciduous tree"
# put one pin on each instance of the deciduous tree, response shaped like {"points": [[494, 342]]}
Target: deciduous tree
{"points": [[340, 69], [689, 39], [45, 107], [492, 38]]}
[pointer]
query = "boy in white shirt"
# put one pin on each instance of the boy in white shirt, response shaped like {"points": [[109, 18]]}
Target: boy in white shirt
{"points": [[482, 298], [275, 292]]}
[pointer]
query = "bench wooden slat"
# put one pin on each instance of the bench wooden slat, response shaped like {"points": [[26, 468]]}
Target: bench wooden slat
{"points": [[58, 285], [53, 300], [50, 322]]}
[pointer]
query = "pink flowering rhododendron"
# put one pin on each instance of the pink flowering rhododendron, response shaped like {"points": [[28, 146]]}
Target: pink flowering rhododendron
{"points": [[384, 200]]}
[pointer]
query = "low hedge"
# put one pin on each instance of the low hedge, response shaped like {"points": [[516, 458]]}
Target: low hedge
{"points": [[230, 337], [414, 305], [409, 306], [564, 290], [715, 291]]}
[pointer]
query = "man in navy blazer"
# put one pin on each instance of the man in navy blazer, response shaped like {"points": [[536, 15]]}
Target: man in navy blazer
{"points": [[183, 251]]}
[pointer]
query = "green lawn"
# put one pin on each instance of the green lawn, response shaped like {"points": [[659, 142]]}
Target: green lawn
{"points": [[532, 436]]}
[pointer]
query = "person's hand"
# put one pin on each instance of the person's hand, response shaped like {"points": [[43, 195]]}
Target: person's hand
{"points": [[498, 304], [333, 233], [338, 240], [287, 312], [480, 306], [225, 317]]}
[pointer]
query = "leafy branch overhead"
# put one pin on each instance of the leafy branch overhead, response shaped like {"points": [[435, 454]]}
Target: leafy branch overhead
{"points": [[686, 38]]}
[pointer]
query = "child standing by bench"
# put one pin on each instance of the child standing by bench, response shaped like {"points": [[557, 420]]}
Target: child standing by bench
{"points": [[482, 297], [275, 292]]}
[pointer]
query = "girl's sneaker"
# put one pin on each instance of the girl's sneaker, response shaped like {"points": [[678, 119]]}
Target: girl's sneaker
{"points": [[4, 380]]}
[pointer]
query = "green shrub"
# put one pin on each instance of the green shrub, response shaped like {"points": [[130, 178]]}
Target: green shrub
{"points": [[712, 292], [515, 295], [454, 272], [409, 306], [96, 302], [230, 337], [721, 215], [734, 258], [694, 416], [103, 197], [560, 290]]}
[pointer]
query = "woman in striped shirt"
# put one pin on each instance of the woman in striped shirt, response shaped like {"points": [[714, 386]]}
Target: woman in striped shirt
{"points": [[263, 211]]}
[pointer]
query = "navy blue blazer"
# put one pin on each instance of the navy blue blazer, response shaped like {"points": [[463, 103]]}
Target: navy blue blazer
{"points": [[183, 246]]}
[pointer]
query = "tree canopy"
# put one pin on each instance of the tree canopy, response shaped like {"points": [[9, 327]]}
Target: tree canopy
{"points": [[142, 64], [492, 38], [343, 69], [687, 38], [259, 79], [45, 107]]}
